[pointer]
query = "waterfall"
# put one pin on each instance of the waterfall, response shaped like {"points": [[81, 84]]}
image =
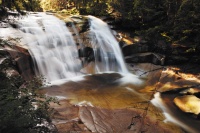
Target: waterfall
{"points": [[108, 56], [51, 45], [55, 52]]}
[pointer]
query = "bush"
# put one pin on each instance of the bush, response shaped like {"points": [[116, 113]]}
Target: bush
{"points": [[22, 109]]}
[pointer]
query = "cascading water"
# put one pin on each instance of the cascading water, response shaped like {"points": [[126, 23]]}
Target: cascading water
{"points": [[56, 57], [51, 45], [108, 56], [54, 49]]}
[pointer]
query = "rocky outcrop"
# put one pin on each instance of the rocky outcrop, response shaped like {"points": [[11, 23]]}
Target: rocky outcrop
{"points": [[21, 59], [134, 49], [148, 57], [24, 62], [117, 120], [188, 104], [159, 55], [8, 66]]}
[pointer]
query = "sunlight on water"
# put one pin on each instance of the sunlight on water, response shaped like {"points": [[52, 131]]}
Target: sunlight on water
{"points": [[54, 49], [106, 47], [131, 79], [62, 81], [52, 46]]}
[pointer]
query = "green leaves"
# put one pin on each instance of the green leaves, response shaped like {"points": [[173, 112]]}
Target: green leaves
{"points": [[22, 108]]}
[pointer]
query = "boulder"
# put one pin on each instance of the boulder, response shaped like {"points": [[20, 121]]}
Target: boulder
{"points": [[118, 120], [188, 104], [149, 57], [23, 61], [134, 48]]}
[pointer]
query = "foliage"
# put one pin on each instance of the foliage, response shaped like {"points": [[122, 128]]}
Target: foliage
{"points": [[19, 6], [23, 109], [98, 7], [170, 20], [29, 5], [54, 5], [174, 21]]}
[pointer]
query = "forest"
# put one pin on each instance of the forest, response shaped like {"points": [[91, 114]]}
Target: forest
{"points": [[175, 23]]}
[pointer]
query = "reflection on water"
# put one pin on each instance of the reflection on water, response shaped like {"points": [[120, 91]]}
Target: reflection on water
{"points": [[115, 91], [105, 90]]}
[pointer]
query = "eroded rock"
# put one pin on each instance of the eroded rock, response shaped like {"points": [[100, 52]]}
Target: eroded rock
{"points": [[191, 91], [23, 61], [134, 48], [188, 104], [148, 57], [118, 121]]}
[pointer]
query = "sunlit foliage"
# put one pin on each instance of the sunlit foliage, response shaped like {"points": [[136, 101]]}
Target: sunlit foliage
{"points": [[29, 5]]}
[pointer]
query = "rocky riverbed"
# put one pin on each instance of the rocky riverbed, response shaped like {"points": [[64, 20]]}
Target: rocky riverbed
{"points": [[161, 96]]}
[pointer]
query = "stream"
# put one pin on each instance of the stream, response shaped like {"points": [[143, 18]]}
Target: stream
{"points": [[98, 88]]}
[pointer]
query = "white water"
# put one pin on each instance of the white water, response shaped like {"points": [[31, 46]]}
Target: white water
{"points": [[51, 45], [54, 49], [157, 101], [108, 56]]}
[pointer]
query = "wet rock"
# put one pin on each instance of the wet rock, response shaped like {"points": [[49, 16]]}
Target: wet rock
{"points": [[5, 59], [118, 120], [4, 25], [82, 22], [190, 91], [86, 52], [85, 27], [66, 118], [71, 127], [13, 13], [14, 25], [134, 48], [188, 104], [23, 61], [122, 44], [156, 59], [3, 52]]}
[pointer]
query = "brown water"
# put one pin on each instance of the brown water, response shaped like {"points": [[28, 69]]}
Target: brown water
{"points": [[115, 91], [103, 90]]}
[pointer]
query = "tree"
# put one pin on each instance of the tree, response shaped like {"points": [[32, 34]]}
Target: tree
{"points": [[187, 24], [29, 5], [23, 110]]}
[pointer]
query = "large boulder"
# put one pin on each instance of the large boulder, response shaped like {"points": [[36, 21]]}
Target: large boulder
{"points": [[22, 60], [188, 104], [148, 57], [134, 48]]}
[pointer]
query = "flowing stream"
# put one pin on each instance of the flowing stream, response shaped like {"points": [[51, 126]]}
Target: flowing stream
{"points": [[106, 46], [54, 50]]}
